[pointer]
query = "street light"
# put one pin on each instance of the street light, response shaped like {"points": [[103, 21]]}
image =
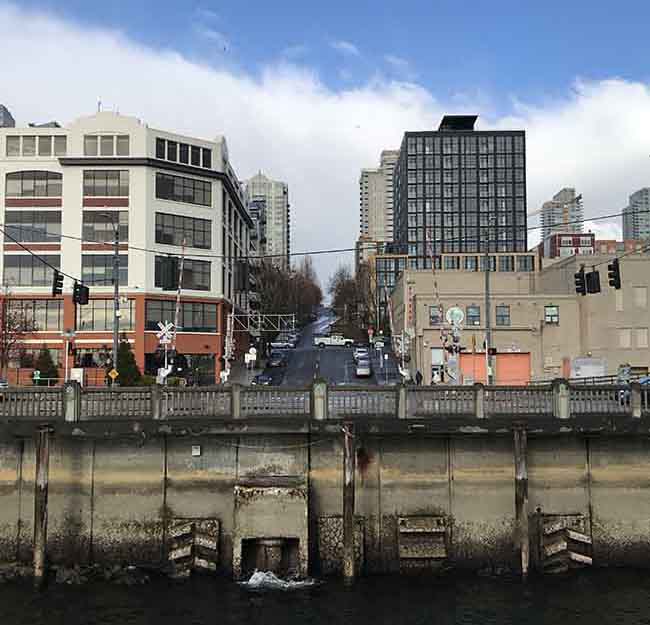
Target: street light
{"points": [[116, 283], [489, 376]]}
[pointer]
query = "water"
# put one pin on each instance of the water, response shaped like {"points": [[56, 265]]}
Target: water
{"points": [[596, 597]]}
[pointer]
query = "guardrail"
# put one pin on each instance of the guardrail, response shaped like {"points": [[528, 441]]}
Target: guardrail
{"points": [[559, 400]]}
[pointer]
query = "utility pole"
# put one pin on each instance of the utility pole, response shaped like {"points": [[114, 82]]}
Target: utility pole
{"points": [[488, 326], [116, 288]]}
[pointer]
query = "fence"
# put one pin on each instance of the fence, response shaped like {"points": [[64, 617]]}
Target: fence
{"points": [[559, 400]]}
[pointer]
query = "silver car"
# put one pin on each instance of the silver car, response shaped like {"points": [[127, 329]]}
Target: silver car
{"points": [[364, 370]]}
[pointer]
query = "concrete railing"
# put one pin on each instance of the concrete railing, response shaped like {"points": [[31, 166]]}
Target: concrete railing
{"points": [[558, 400]]}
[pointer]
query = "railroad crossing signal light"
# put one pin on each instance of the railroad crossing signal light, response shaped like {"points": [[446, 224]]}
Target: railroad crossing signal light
{"points": [[80, 294], [614, 274], [57, 283], [593, 281], [581, 285]]}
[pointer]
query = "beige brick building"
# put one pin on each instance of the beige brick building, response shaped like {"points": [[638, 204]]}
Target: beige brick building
{"points": [[532, 312]]}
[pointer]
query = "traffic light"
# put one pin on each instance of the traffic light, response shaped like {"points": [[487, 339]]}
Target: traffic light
{"points": [[581, 285], [57, 283], [80, 294], [614, 274], [593, 281]]}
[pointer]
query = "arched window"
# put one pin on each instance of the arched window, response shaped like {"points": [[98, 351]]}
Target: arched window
{"points": [[34, 184]]}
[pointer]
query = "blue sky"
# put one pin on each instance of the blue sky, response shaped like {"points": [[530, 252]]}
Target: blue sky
{"points": [[312, 95], [493, 51]]}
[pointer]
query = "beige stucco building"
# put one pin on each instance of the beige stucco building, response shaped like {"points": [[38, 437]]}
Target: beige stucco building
{"points": [[534, 312]]}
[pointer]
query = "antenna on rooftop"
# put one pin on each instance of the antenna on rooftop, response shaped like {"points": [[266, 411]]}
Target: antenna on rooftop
{"points": [[99, 104]]}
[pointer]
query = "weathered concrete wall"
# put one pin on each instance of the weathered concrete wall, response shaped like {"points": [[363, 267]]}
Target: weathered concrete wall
{"points": [[112, 499]]}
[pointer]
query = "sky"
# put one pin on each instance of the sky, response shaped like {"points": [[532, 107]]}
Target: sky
{"points": [[310, 93]]}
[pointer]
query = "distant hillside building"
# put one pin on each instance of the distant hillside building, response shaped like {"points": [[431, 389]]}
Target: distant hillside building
{"points": [[636, 215], [563, 214]]}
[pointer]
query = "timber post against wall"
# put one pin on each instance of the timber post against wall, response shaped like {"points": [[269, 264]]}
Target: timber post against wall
{"points": [[40, 503], [348, 503], [521, 498]]}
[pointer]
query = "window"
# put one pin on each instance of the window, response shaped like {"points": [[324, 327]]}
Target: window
{"points": [[97, 269], [60, 145], [92, 358], [184, 153], [106, 145], [452, 262], [29, 146], [45, 315], [503, 315], [160, 148], [619, 300], [29, 226], [90, 145], [27, 270], [122, 145], [45, 145], [506, 263], [196, 156], [172, 229], [13, 146], [180, 189], [473, 315], [207, 158], [642, 337], [99, 228], [435, 315], [640, 296], [196, 274], [26, 357], [193, 317], [34, 184], [552, 314], [98, 315], [172, 150], [471, 263], [106, 183], [525, 263], [625, 338]]}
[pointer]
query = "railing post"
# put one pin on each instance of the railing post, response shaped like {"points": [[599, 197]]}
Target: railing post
{"points": [[72, 401], [635, 399], [561, 399], [348, 503], [40, 503], [402, 402], [319, 400], [479, 400], [236, 401], [521, 498], [156, 402]]}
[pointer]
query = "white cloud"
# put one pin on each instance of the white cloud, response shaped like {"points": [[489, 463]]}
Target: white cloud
{"points": [[213, 36], [400, 66], [345, 47], [292, 126]]}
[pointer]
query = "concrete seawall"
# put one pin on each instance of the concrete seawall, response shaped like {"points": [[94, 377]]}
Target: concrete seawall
{"points": [[421, 500]]}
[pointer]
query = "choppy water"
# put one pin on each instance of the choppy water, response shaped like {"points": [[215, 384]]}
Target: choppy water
{"points": [[597, 597]]}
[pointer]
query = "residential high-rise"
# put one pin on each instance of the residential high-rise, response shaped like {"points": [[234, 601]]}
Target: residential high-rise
{"points": [[563, 214], [388, 160], [270, 198], [457, 189], [636, 215], [372, 216], [67, 190], [6, 118]]}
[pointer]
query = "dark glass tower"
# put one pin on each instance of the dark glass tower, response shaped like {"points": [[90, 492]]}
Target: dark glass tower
{"points": [[458, 189]]}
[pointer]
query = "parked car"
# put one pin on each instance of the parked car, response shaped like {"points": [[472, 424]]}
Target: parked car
{"points": [[277, 359], [364, 370], [262, 380], [361, 353], [281, 344]]}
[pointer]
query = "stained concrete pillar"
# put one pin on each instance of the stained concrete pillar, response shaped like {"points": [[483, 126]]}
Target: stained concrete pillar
{"points": [[348, 503], [40, 503], [521, 498]]}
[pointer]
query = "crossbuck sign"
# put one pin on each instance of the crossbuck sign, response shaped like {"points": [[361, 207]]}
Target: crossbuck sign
{"points": [[166, 332]]}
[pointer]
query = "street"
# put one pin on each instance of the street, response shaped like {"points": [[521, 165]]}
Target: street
{"points": [[334, 364]]}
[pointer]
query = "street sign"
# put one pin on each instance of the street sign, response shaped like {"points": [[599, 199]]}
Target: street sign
{"points": [[455, 316], [112, 374], [252, 351], [165, 340]]}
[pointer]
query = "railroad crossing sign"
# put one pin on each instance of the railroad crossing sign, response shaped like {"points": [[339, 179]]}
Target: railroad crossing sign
{"points": [[166, 332], [112, 374], [455, 316]]}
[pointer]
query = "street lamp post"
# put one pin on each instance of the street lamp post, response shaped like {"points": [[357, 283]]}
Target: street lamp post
{"points": [[116, 285], [489, 376]]}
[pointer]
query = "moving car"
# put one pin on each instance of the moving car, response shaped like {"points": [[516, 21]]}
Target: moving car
{"points": [[364, 370], [277, 359], [361, 353], [262, 380], [333, 340]]}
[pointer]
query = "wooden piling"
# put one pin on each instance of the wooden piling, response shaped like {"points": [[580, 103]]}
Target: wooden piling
{"points": [[521, 498], [348, 503], [40, 504]]}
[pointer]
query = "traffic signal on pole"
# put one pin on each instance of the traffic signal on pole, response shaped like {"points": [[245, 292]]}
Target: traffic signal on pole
{"points": [[80, 294], [593, 281], [581, 285], [57, 283], [614, 274]]}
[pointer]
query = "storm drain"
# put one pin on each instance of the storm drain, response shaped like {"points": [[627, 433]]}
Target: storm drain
{"points": [[563, 542], [423, 542], [193, 546]]}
